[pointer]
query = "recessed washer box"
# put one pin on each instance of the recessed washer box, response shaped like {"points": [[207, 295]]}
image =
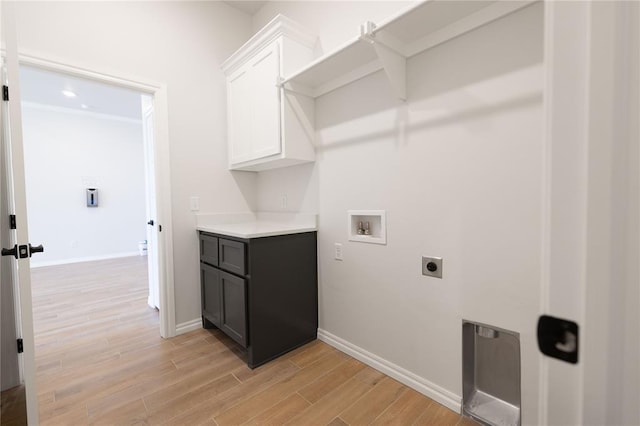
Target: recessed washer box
{"points": [[491, 374], [367, 226]]}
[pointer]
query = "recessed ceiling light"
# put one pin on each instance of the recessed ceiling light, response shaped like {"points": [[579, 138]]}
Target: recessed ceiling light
{"points": [[69, 93]]}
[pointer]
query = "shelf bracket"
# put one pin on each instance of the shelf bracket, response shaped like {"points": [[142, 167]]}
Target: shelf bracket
{"points": [[292, 98], [366, 31], [395, 66], [393, 61], [289, 86]]}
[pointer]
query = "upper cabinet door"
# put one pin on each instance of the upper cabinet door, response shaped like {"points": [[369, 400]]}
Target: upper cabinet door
{"points": [[268, 127], [239, 115], [265, 72]]}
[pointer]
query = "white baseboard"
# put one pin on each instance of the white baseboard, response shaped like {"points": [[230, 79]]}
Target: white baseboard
{"points": [[188, 326], [36, 264], [425, 387]]}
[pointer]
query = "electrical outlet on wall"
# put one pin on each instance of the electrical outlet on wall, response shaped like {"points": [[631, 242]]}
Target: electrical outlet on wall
{"points": [[283, 201], [432, 266], [338, 251]]}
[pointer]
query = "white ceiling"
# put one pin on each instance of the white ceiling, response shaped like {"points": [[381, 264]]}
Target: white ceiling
{"points": [[249, 7], [45, 88]]}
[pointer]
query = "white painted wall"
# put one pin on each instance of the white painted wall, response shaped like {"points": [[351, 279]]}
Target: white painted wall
{"points": [[67, 151], [182, 45], [334, 27], [458, 168], [335, 23]]}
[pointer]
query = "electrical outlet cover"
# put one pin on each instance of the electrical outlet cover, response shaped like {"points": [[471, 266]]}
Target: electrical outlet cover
{"points": [[432, 266]]}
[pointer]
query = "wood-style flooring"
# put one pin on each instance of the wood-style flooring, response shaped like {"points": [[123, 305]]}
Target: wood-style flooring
{"points": [[100, 360], [13, 407]]}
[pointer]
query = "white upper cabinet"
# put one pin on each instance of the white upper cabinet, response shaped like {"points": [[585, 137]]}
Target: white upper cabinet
{"points": [[269, 127]]}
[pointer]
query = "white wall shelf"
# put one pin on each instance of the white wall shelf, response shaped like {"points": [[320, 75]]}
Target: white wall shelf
{"points": [[388, 45], [373, 221]]}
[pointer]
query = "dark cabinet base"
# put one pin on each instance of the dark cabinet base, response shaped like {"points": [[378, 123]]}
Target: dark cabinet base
{"points": [[281, 294], [207, 324]]}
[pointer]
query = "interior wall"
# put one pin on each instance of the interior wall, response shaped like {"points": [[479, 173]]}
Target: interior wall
{"points": [[458, 169], [333, 25], [179, 44], [290, 189], [295, 189], [67, 151]]}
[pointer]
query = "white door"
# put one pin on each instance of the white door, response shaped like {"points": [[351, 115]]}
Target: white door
{"points": [[10, 371], [152, 232], [265, 95], [13, 184], [592, 241], [239, 116]]}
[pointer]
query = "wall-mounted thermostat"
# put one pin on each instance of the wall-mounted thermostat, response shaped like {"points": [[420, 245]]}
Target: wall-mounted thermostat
{"points": [[92, 197]]}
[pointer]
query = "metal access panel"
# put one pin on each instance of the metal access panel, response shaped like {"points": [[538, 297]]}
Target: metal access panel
{"points": [[491, 391]]}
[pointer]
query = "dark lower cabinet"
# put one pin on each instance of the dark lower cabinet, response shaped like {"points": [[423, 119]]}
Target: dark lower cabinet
{"points": [[261, 292], [233, 320], [210, 293]]}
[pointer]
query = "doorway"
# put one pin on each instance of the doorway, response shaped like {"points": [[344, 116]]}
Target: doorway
{"points": [[90, 171], [156, 146]]}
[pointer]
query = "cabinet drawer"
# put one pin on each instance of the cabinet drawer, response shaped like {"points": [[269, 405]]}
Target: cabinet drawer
{"points": [[232, 256], [209, 249]]}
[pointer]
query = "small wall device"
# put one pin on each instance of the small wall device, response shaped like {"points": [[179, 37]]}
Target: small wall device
{"points": [[92, 197]]}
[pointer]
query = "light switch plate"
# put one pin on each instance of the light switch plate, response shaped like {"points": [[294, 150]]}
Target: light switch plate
{"points": [[194, 204], [432, 266]]}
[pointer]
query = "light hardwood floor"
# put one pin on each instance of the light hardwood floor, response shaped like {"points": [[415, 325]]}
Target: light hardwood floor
{"points": [[100, 360], [13, 411]]}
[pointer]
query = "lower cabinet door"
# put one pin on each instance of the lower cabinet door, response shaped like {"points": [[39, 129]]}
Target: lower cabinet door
{"points": [[211, 293], [234, 307]]}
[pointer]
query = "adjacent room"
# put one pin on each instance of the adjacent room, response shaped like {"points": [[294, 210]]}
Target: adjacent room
{"points": [[321, 212]]}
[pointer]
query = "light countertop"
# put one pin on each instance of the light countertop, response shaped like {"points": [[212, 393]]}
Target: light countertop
{"points": [[256, 225]]}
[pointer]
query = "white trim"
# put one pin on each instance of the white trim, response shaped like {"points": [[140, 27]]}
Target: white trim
{"points": [[35, 264], [277, 27], [425, 387], [163, 209], [545, 203], [47, 62], [162, 161], [66, 110], [186, 327]]}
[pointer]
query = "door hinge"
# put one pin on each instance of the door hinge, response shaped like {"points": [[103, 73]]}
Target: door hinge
{"points": [[5, 93], [159, 228], [12, 221], [20, 346]]}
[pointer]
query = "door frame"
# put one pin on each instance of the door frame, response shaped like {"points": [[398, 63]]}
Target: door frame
{"points": [[153, 299], [162, 169], [590, 243]]}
